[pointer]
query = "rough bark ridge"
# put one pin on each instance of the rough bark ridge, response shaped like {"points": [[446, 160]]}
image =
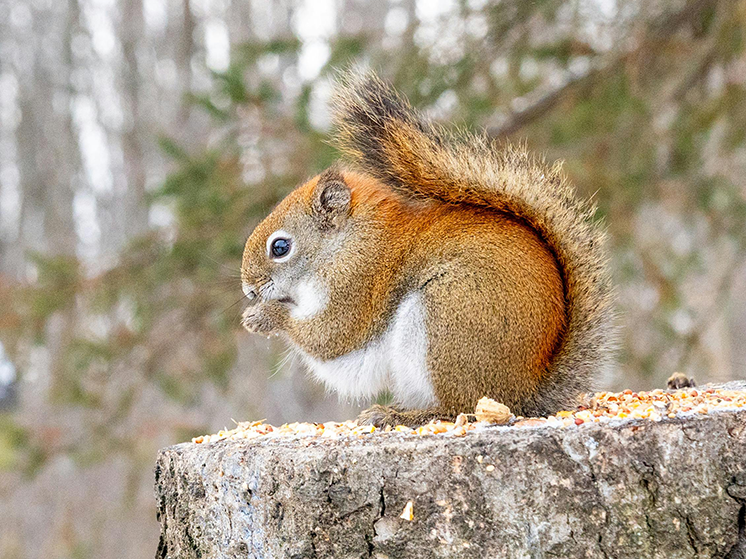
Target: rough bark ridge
{"points": [[672, 489]]}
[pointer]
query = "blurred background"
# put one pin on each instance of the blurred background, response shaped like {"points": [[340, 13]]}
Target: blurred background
{"points": [[141, 140]]}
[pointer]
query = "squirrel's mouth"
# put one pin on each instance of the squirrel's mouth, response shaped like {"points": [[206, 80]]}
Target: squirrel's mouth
{"points": [[249, 291], [262, 290]]}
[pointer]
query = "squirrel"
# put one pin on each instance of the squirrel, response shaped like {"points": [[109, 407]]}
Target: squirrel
{"points": [[440, 266]]}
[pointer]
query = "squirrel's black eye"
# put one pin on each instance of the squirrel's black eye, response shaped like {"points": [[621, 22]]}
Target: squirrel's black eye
{"points": [[280, 247]]}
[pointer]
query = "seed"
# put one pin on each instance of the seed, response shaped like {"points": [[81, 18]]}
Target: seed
{"points": [[408, 512], [652, 406]]}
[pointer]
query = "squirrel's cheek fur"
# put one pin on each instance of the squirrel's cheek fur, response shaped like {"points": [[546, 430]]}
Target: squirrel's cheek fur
{"points": [[310, 297]]}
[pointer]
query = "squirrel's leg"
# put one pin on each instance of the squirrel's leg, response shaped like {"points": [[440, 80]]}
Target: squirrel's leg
{"points": [[492, 331], [381, 416]]}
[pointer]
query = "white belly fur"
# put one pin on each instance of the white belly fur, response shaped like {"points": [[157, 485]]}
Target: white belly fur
{"points": [[397, 361]]}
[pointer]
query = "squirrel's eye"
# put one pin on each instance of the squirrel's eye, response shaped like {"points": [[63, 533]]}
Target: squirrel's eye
{"points": [[280, 247]]}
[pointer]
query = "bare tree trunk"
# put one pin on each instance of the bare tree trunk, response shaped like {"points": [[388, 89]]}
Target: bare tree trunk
{"points": [[62, 175], [49, 158], [132, 30], [31, 233], [10, 262], [183, 58], [239, 21]]}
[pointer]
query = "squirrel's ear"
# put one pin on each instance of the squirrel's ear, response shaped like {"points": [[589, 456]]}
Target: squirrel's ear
{"points": [[331, 200]]}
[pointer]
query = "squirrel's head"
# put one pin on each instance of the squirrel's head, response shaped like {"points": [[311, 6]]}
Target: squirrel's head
{"points": [[286, 253]]}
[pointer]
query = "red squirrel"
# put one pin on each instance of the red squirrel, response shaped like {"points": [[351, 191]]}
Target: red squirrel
{"points": [[439, 266]]}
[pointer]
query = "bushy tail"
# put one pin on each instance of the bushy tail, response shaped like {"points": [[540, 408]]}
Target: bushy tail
{"points": [[386, 138]]}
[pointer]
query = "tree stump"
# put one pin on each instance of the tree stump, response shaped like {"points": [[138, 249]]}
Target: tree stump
{"points": [[625, 488]]}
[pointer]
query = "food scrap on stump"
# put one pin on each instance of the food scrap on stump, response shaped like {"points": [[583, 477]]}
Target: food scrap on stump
{"points": [[654, 405]]}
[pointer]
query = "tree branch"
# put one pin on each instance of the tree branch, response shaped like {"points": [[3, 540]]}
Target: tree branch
{"points": [[544, 101]]}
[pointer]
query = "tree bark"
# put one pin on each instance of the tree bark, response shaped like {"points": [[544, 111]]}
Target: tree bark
{"points": [[627, 488], [134, 137]]}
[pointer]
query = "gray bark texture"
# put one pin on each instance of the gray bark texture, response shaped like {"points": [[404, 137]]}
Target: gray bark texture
{"points": [[627, 488]]}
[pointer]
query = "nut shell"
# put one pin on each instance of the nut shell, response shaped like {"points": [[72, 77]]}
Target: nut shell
{"points": [[490, 411]]}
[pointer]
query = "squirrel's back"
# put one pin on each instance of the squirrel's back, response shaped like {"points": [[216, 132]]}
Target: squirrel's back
{"points": [[388, 140]]}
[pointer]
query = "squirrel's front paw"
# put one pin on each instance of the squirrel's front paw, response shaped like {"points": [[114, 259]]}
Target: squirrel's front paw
{"points": [[263, 318]]}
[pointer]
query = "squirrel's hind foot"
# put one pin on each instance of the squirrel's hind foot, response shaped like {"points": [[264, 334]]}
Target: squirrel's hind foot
{"points": [[383, 416]]}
